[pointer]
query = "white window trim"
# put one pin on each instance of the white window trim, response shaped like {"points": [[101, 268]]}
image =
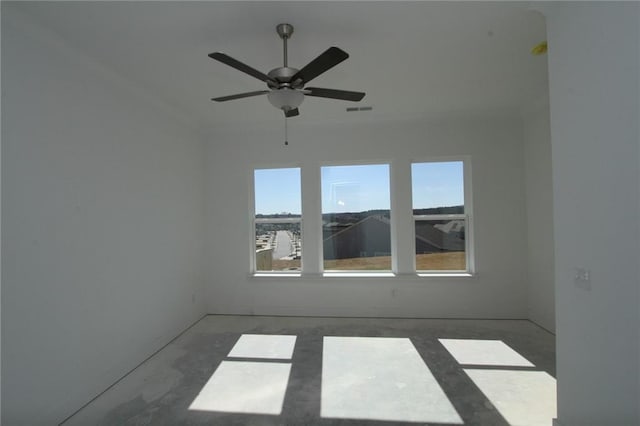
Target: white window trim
{"points": [[445, 272], [275, 220], [439, 216], [356, 273], [403, 257], [254, 220], [467, 216]]}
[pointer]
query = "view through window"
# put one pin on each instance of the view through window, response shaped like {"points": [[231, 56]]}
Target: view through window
{"points": [[355, 217], [439, 216], [278, 208]]}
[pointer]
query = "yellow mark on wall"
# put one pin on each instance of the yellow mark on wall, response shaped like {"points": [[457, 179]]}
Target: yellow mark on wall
{"points": [[539, 49]]}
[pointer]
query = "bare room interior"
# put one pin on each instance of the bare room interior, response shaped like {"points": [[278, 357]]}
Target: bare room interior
{"points": [[320, 213]]}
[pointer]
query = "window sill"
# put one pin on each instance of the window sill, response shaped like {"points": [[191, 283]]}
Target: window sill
{"points": [[363, 274], [445, 274], [355, 274], [276, 274]]}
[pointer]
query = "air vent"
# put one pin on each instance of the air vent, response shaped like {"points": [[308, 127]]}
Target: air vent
{"points": [[364, 108]]}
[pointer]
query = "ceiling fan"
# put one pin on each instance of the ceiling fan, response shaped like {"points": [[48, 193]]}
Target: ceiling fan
{"points": [[286, 84]]}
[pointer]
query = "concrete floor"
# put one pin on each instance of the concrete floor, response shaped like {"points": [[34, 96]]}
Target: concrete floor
{"points": [[405, 375]]}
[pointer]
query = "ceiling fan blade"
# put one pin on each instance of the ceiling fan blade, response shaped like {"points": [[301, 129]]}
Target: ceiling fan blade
{"points": [[344, 95], [327, 60], [292, 113], [228, 60], [239, 96]]}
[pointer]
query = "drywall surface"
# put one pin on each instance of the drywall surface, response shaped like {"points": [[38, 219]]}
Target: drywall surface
{"points": [[539, 198], [102, 224], [0, 246], [494, 147], [594, 95]]}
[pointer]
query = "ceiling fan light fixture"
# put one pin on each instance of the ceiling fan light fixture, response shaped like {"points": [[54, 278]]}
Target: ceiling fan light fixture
{"points": [[285, 99]]}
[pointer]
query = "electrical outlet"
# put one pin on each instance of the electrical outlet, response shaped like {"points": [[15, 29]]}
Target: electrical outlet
{"points": [[582, 278]]}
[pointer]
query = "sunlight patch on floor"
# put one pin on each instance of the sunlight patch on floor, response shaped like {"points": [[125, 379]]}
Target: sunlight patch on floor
{"points": [[484, 352], [250, 387], [385, 379], [245, 387], [523, 398], [263, 346]]}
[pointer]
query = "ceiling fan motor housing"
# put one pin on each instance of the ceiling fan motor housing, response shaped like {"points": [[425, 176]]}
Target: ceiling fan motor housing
{"points": [[283, 76]]}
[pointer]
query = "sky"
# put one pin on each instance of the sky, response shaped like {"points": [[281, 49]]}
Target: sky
{"points": [[437, 184], [359, 188], [355, 188], [277, 191]]}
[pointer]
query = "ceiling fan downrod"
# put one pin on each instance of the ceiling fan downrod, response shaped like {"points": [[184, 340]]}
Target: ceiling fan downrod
{"points": [[281, 76], [285, 31]]}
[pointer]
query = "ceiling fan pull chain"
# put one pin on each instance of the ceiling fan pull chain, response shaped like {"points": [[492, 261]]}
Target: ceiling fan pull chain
{"points": [[286, 132]]}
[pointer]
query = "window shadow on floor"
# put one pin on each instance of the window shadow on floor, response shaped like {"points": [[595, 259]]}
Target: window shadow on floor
{"points": [[464, 381]]}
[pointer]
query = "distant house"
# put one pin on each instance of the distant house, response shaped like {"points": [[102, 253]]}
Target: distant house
{"points": [[371, 237], [333, 228], [433, 238], [368, 238]]}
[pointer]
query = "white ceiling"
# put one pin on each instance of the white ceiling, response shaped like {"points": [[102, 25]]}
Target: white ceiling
{"points": [[411, 58]]}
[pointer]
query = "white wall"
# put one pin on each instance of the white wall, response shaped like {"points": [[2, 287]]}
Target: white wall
{"points": [[539, 199], [0, 245], [102, 223], [594, 94], [496, 150]]}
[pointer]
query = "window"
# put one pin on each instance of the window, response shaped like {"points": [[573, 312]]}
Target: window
{"points": [[278, 242], [350, 229], [356, 232], [440, 219]]}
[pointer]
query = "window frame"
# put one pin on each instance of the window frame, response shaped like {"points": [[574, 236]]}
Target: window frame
{"points": [[336, 273], [253, 269], [403, 253], [467, 216]]}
